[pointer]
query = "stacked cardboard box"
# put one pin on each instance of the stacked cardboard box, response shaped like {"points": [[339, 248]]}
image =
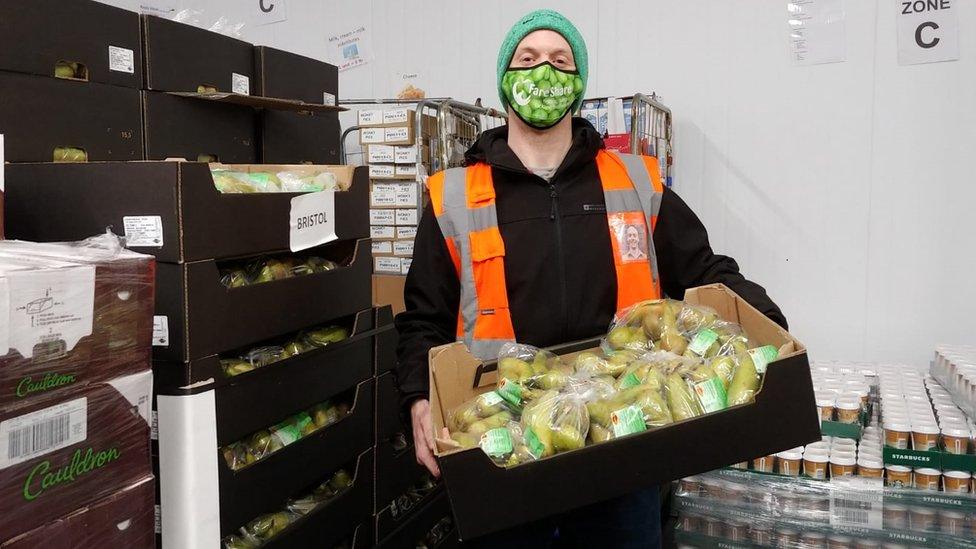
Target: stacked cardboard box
{"points": [[75, 389]]}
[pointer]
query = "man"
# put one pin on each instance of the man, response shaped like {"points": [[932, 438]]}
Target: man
{"points": [[541, 239]]}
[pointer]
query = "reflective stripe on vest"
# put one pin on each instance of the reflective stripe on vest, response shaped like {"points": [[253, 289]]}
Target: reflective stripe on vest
{"points": [[463, 200]]}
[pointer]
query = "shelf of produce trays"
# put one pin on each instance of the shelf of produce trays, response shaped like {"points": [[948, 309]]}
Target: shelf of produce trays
{"points": [[342, 347], [180, 211], [209, 312], [386, 343], [213, 484], [317, 516], [422, 489], [751, 509], [431, 526], [388, 418], [770, 413], [115, 287]]}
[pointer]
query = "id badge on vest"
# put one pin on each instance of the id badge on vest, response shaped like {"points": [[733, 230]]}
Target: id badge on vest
{"points": [[629, 231]]}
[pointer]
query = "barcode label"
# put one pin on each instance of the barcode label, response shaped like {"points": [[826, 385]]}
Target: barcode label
{"points": [[38, 433], [856, 502]]}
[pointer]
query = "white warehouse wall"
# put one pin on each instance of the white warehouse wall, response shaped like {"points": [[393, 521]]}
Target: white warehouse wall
{"points": [[845, 189]]}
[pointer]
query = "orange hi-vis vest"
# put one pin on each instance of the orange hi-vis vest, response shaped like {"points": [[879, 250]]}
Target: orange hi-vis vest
{"points": [[463, 200]]}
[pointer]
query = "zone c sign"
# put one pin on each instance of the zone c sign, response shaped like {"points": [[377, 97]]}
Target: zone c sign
{"points": [[928, 31]]}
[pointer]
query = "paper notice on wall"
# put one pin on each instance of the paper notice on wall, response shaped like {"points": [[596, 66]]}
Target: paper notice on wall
{"points": [[817, 31], [928, 32], [269, 11], [161, 8], [350, 49]]}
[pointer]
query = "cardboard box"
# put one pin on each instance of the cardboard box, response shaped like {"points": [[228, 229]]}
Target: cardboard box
{"points": [[398, 135], [420, 522], [380, 248], [180, 58], [94, 442], [299, 138], [370, 117], [382, 217], [783, 416], [387, 265], [403, 233], [406, 216], [388, 290], [371, 136], [389, 194], [203, 499], [382, 232], [406, 170], [397, 470], [288, 75], [405, 265], [175, 203], [403, 248], [191, 129], [408, 195], [381, 171], [37, 34], [405, 154], [39, 114], [378, 154], [382, 195], [124, 518], [400, 115], [206, 318]]}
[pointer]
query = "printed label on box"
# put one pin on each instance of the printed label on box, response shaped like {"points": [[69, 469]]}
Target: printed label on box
{"points": [[143, 231], [406, 195], [121, 60], [403, 248], [381, 231], [328, 99], [160, 331], [406, 217], [311, 221], [154, 426], [382, 217], [406, 169], [405, 265], [396, 116], [158, 520], [405, 155], [383, 194], [386, 264], [32, 435], [380, 153], [379, 171], [370, 117], [383, 247], [856, 501], [240, 83], [406, 232], [398, 134], [371, 135], [50, 305]]}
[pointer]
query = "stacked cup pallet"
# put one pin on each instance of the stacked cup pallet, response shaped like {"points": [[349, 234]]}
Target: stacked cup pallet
{"points": [[75, 389], [204, 319]]}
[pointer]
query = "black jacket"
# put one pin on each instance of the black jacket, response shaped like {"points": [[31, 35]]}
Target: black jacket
{"points": [[559, 268]]}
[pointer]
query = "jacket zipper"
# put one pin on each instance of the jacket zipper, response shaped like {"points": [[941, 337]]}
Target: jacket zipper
{"points": [[555, 217]]}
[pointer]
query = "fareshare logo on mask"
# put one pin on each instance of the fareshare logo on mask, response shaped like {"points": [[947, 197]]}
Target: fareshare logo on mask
{"points": [[524, 90], [541, 95]]}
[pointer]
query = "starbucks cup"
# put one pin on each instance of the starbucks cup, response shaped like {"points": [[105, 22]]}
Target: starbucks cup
{"points": [[761, 534], [789, 463], [897, 434], [922, 519], [895, 516], [689, 523], [786, 537], [848, 409], [952, 523], [842, 465], [691, 485], [956, 440], [813, 540], [712, 526], [736, 530], [928, 479], [765, 464], [925, 436], [870, 467], [866, 543], [839, 541], [825, 405], [957, 481], [815, 464], [898, 476]]}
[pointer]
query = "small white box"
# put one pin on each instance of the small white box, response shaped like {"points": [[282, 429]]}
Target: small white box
{"points": [[403, 233], [380, 153], [388, 265], [398, 135], [382, 217], [405, 170], [407, 216], [381, 171], [406, 195], [383, 232], [401, 115], [370, 117], [405, 265], [402, 248], [383, 195], [383, 247], [370, 136], [405, 155]]}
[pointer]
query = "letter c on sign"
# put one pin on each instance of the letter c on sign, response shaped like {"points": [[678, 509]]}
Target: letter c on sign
{"points": [[271, 7], [918, 35]]}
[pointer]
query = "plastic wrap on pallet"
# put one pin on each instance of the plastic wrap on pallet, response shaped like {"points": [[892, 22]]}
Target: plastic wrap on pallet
{"points": [[57, 456], [77, 313]]}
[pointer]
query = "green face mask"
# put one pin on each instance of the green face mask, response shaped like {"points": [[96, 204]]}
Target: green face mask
{"points": [[541, 95]]}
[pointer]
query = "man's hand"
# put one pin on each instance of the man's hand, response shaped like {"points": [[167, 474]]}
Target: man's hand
{"points": [[423, 435]]}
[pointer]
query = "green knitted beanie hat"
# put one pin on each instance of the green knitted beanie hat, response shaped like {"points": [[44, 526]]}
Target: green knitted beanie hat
{"points": [[538, 20]]}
